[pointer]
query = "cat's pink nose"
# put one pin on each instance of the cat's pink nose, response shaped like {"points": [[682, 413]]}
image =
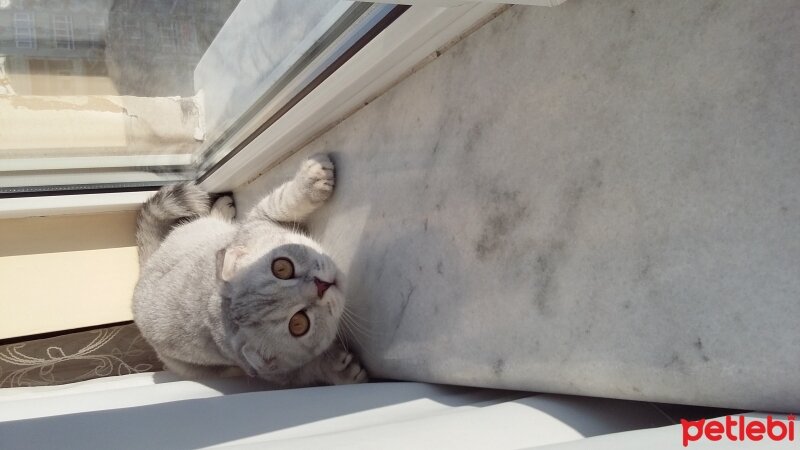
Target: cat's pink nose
{"points": [[322, 286]]}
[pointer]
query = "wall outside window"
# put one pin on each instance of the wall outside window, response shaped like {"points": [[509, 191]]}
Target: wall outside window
{"points": [[64, 272]]}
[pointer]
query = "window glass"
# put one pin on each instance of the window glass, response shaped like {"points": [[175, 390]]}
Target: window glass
{"points": [[101, 92], [121, 93]]}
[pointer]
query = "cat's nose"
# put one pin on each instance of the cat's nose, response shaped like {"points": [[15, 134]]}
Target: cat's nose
{"points": [[322, 286]]}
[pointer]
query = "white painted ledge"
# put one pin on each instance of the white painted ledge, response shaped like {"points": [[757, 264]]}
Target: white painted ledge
{"points": [[14, 208]]}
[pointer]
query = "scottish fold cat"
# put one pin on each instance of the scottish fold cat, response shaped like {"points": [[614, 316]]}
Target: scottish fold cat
{"points": [[217, 297]]}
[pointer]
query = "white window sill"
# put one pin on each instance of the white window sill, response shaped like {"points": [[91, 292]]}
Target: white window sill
{"points": [[15, 208]]}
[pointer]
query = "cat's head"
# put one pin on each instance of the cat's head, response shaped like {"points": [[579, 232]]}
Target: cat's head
{"points": [[281, 304]]}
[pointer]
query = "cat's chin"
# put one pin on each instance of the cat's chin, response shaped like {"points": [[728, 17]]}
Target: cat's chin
{"points": [[333, 303]]}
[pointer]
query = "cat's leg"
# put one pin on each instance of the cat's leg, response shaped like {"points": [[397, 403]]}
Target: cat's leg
{"points": [[339, 366], [295, 200], [197, 372], [223, 208], [335, 366]]}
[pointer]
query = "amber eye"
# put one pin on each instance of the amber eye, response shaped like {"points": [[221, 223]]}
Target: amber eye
{"points": [[282, 268], [299, 324]]}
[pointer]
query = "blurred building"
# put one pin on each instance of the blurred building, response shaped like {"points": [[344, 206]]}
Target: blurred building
{"points": [[105, 47]]}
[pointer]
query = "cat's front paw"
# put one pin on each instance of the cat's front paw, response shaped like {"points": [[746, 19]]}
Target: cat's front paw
{"points": [[344, 367], [316, 176]]}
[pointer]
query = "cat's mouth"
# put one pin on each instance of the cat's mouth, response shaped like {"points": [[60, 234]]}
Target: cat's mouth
{"points": [[333, 302]]}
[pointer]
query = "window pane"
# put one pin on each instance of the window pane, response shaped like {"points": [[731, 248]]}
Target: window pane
{"points": [[62, 31], [102, 93], [23, 30], [252, 57]]}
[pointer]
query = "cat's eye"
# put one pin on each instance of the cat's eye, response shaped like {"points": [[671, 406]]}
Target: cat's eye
{"points": [[299, 324], [282, 268]]}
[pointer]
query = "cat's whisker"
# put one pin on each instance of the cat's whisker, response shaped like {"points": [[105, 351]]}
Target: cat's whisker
{"points": [[336, 246], [360, 327], [359, 344], [362, 319], [374, 321], [334, 251], [349, 333], [352, 329], [342, 339], [355, 342], [353, 312], [333, 242]]}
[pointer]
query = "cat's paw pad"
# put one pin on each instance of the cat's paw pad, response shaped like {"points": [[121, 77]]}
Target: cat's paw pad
{"points": [[346, 368], [224, 208], [316, 175]]}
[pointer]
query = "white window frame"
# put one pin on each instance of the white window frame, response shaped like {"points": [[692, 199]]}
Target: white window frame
{"points": [[187, 37], [133, 30], [168, 36], [25, 30], [96, 31], [56, 205], [413, 39], [63, 32]]}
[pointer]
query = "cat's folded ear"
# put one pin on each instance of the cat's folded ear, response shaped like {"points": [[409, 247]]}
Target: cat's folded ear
{"points": [[227, 260]]}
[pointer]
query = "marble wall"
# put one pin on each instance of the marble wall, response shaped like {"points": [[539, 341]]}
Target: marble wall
{"points": [[599, 198]]}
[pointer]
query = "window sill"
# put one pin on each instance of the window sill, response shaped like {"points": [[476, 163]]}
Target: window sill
{"points": [[15, 208]]}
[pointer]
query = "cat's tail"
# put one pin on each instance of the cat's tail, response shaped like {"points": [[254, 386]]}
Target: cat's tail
{"points": [[170, 206]]}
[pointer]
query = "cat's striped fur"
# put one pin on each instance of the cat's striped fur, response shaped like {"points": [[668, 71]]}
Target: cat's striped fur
{"points": [[208, 301]]}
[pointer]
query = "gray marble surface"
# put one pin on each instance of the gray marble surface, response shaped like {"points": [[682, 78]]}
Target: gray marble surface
{"points": [[600, 198]]}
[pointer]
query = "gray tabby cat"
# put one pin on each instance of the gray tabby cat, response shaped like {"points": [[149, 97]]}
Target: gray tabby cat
{"points": [[216, 298]]}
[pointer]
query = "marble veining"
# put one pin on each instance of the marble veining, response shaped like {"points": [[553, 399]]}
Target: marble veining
{"points": [[599, 198]]}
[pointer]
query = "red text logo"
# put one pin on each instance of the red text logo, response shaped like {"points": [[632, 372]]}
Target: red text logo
{"points": [[738, 429]]}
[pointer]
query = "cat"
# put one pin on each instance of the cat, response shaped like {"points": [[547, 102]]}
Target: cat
{"points": [[217, 297]]}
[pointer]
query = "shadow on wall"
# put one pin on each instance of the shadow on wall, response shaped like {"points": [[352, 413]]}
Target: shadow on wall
{"points": [[393, 284]]}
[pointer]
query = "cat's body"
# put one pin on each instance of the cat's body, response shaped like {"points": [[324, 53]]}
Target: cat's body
{"points": [[218, 297]]}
